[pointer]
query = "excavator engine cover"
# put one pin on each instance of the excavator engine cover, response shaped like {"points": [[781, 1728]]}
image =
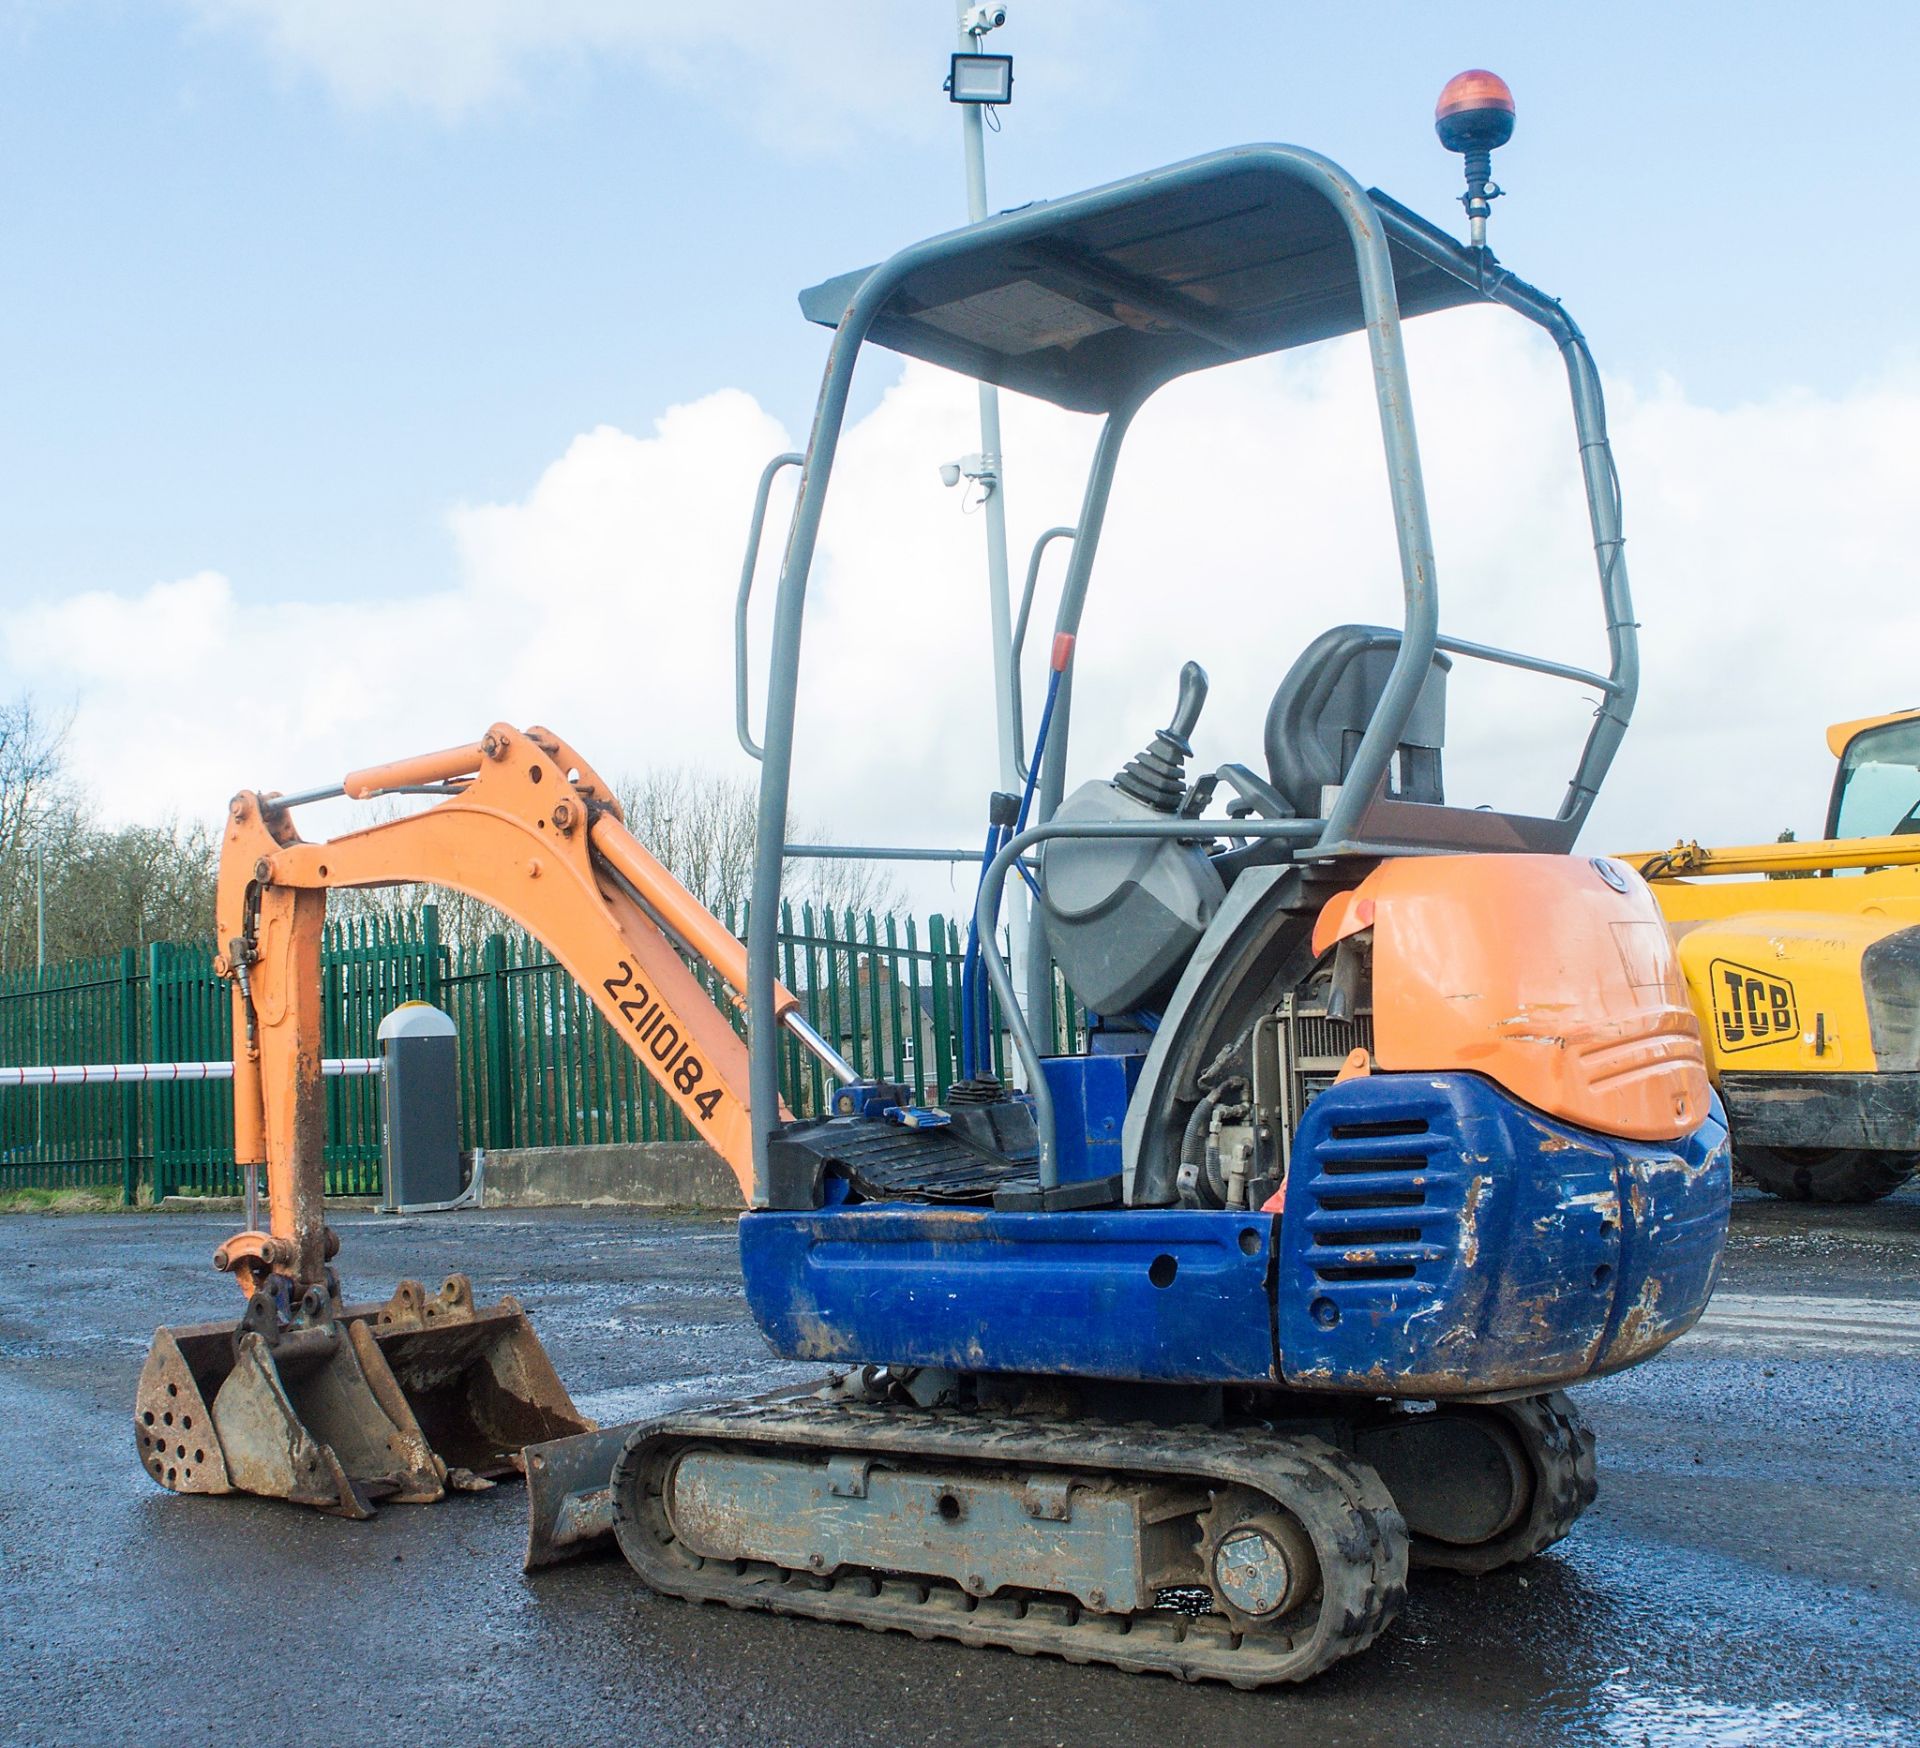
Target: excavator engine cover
{"points": [[338, 1406]]}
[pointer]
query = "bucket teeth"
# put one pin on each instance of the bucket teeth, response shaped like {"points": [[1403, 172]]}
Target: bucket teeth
{"points": [[399, 1401]]}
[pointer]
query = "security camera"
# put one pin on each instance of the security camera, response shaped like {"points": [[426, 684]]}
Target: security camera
{"points": [[985, 18], [949, 473]]}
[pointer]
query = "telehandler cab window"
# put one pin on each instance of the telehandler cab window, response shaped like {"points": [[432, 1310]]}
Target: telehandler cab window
{"points": [[1877, 793]]}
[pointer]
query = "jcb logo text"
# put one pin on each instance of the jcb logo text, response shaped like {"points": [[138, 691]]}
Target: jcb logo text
{"points": [[1750, 1007]]}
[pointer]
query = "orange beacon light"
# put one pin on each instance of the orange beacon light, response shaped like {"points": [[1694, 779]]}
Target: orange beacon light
{"points": [[1474, 117]]}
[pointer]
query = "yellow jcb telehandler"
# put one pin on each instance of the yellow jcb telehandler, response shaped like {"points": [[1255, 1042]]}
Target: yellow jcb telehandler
{"points": [[1803, 964]]}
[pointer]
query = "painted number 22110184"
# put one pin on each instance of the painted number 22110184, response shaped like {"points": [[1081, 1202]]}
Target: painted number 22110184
{"points": [[678, 1064]]}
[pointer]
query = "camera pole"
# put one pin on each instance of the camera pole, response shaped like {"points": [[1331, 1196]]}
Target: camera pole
{"points": [[975, 22]]}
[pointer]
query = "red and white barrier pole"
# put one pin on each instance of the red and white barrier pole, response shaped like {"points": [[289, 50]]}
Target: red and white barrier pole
{"points": [[128, 1073]]}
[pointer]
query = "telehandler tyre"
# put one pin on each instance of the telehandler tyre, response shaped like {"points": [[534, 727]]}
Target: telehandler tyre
{"points": [[1826, 1174]]}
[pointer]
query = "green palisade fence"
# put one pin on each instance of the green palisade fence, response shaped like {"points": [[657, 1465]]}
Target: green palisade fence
{"points": [[191, 1020], [73, 1137], [538, 1066], [368, 968]]}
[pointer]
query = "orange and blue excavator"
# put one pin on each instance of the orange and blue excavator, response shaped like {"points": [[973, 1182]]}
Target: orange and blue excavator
{"points": [[1173, 1353]]}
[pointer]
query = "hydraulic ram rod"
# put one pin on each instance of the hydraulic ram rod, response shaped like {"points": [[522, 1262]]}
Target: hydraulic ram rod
{"points": [[698, 932], [124, 1073]]}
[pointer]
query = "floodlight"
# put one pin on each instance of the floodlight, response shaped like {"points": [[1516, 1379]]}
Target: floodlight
{"points": [[981, 79]]}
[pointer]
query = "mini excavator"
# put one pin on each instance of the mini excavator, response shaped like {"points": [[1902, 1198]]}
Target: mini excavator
{"points": [[1393, 1119]]}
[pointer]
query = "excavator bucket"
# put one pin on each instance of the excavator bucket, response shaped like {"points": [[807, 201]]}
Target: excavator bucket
{"points": [[342, 1406]]}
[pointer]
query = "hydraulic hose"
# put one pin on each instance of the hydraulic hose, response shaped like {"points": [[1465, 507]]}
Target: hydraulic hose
{"points": [[976, 1032]]}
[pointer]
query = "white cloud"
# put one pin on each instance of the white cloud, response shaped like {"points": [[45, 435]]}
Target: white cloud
{"points": [[582, 606], [802, 79], [1769, 548]]}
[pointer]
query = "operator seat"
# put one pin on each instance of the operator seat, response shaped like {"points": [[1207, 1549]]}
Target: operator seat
{"points": [[1323, 706]]}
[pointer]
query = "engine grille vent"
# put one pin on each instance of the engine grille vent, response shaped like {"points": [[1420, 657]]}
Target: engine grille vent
{"points": [[1298, 1052], [1371, 1217]]}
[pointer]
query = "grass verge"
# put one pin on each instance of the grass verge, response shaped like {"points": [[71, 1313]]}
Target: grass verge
{"points": [[31, 1200]]}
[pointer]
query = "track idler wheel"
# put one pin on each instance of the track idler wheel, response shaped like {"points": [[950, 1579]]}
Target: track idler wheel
{"points": [[1485, 1485], [1258, 1558]]}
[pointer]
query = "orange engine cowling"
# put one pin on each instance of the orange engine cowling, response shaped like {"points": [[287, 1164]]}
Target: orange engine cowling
{"points": [[1552, 975]]}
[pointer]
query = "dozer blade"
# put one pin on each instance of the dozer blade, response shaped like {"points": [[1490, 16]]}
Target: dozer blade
{"points": [[570, 1495], [570, 1487], [346, 1406]]}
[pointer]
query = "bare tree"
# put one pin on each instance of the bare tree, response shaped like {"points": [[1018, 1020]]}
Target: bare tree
{"points": [[32, 792], [842, 886], [104, 888], [703, 827], [35, 805], [30, 770], [700, 826], [130, 887]]}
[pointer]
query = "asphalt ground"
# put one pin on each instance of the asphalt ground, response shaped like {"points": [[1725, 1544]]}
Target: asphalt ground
{"points": [[1749, 1575]]}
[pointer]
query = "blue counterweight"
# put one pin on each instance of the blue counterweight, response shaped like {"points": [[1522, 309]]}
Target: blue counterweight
{"points": [[1436, 1239]]}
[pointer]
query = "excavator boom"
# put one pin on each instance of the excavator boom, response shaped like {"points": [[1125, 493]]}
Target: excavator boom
{"points": [[311, 1399]]}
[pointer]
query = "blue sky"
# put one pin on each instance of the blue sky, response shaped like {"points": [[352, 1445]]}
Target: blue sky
{"points": [[371, 370], [274, 309]]}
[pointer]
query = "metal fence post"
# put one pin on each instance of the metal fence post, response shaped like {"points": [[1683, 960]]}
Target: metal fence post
{"points": [[942, 1022], [499, 1046], [129, 1095], [156, 1036], [430, 950]]}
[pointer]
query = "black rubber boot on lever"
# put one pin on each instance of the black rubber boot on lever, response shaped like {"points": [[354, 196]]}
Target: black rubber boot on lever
{"points": [[1157, 775]]}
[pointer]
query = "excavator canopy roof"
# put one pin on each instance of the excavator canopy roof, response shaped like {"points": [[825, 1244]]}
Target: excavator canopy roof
{"points": [[1095, 300]]}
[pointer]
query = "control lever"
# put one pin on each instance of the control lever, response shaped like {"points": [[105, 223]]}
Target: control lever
{"points": [[1186, 713], [1157, 776]]}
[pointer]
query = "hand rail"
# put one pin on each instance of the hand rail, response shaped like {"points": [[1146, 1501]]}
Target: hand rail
{"points": [[1020, 638], [755, 530], [1513, 658]]}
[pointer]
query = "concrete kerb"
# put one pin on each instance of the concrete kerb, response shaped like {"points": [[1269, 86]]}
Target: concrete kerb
{"points": [[654, 1174]]}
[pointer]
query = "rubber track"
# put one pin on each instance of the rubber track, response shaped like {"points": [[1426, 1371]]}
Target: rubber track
{"points": [[1360, 1537], [1559, 1448]]}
